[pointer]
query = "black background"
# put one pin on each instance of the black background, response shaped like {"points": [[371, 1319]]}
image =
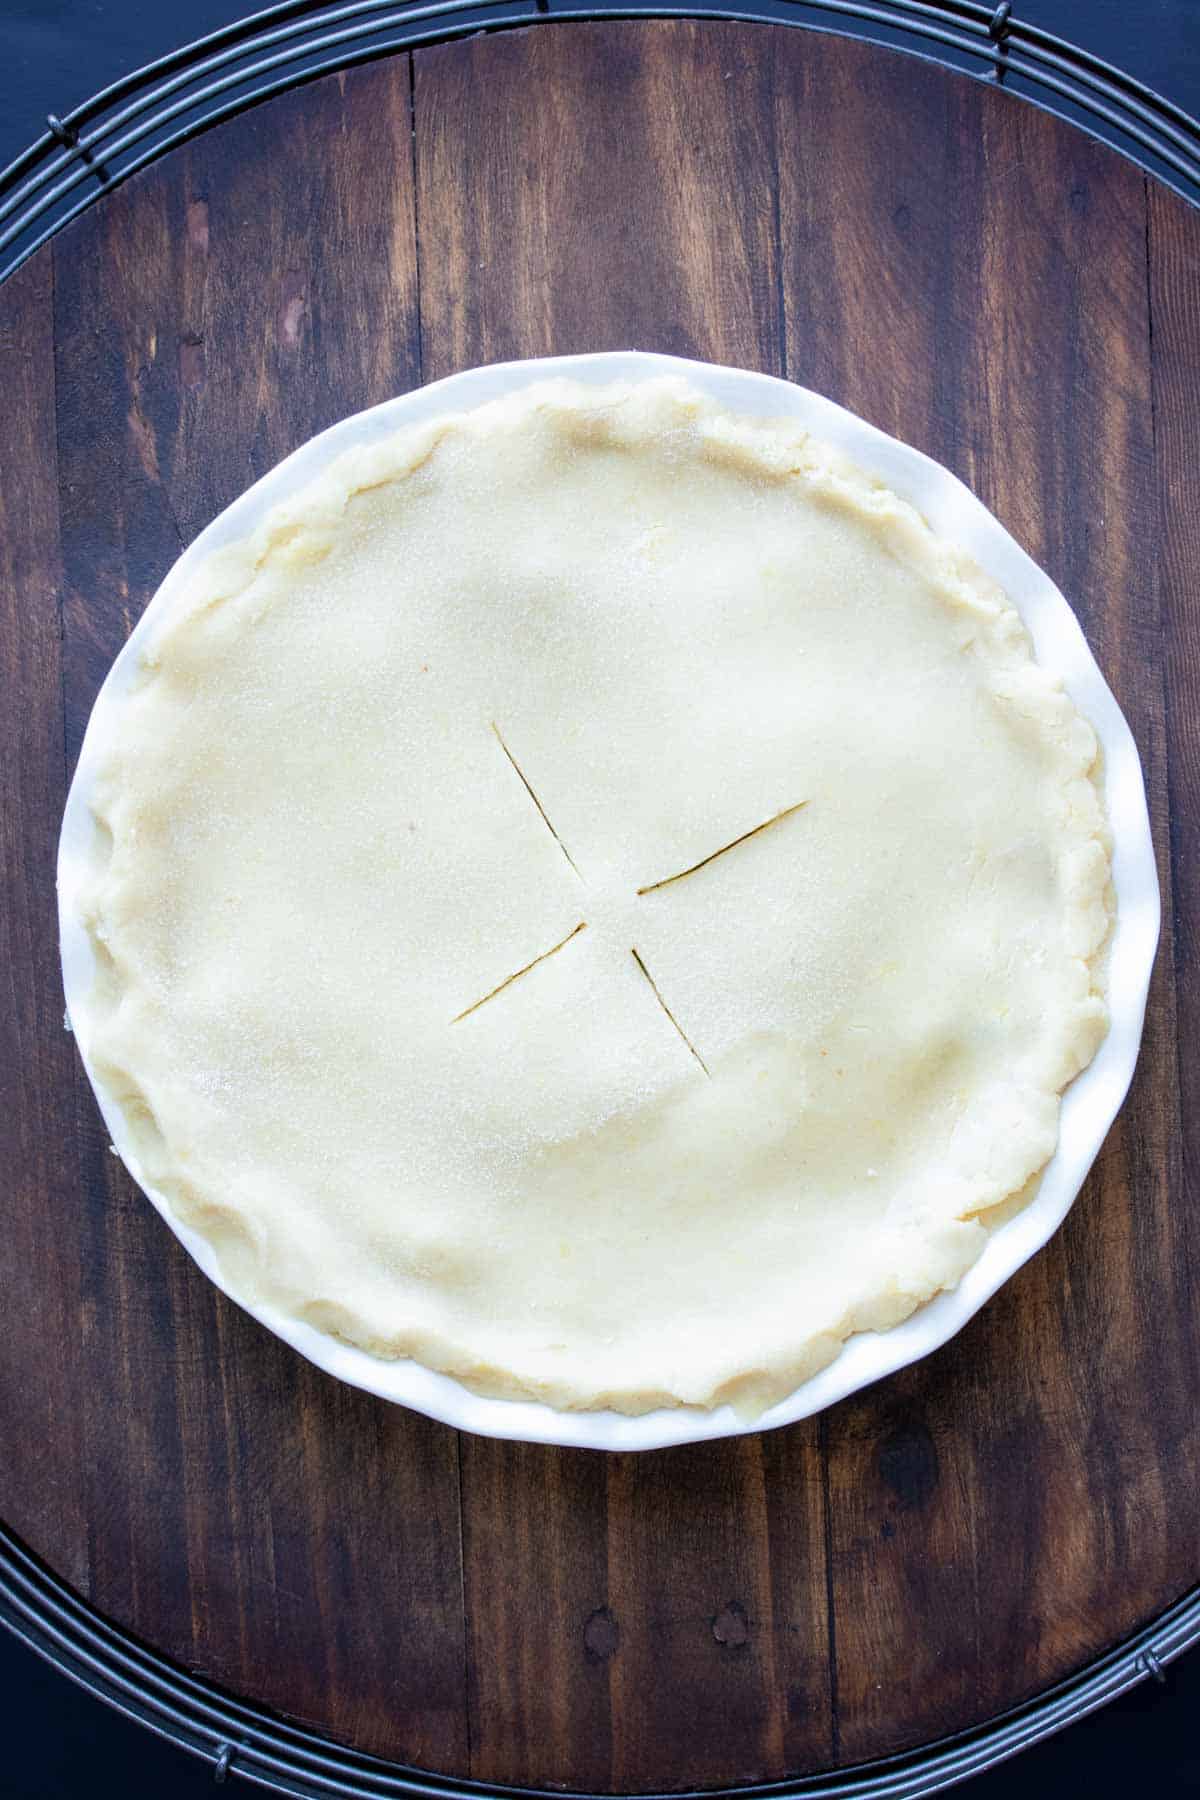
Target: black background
{"points": [[56, 1743]]}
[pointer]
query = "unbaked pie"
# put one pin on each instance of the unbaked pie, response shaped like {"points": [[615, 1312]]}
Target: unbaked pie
{"points": [[595, 897]]}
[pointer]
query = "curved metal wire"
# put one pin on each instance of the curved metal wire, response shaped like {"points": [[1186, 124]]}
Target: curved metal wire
{"points": [[109, 137], [304, 37], [236, 1738]]}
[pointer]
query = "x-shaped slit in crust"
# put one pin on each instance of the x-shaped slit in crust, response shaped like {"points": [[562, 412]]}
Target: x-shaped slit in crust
{"points": [[667, 880], [525, 783], [651, 888], [509, 979], [675, 1022]]}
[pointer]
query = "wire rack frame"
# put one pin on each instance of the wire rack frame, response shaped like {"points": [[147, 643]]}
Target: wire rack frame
{"points": [[103, 141], [240, 1741], [91, 150]]}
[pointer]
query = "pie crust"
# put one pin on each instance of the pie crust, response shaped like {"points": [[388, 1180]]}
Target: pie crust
{"points": [[595, 897]]}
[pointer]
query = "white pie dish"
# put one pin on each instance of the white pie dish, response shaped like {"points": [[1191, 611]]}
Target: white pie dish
{"points": [[1089, 1105]]}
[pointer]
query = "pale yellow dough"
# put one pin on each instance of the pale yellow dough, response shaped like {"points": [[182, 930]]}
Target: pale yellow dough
{"points": [[675, 1178]]}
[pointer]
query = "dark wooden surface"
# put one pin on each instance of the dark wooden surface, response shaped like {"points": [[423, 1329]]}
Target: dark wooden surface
{"points": [[966, 272]]}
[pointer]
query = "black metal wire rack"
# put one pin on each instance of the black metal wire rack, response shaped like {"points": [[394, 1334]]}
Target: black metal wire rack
{"points": [[91, 150], [98, 144], [241, 1742]]}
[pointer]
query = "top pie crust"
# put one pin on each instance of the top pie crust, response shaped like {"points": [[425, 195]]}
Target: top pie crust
{"points": [[405, 994]]}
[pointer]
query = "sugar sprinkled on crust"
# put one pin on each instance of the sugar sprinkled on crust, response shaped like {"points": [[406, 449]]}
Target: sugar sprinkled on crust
{"points": [[677, 1156]]}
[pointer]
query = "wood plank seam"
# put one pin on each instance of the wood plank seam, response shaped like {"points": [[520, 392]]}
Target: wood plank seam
{"points": [[835, 1728], [416, 210], [81, 1096]]}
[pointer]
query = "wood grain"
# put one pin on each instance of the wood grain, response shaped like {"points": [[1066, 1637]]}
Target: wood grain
{"points": [[630, 208], [1173, 254], [41, 1489], [989, 305], [660, 1586], [972, 275], [294, 1539]]}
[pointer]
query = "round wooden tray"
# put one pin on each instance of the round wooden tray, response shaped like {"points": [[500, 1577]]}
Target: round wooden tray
{"points": [[969, 273]]}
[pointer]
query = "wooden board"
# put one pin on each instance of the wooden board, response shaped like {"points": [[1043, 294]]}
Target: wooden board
{"points": [[965, 271]]}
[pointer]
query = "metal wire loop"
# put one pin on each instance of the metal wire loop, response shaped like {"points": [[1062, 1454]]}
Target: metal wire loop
{"points": [[66, 134], [68, 137], [999, 27]]}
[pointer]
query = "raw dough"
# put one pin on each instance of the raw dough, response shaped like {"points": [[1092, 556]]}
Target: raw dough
{"points": [[467, 710]]}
